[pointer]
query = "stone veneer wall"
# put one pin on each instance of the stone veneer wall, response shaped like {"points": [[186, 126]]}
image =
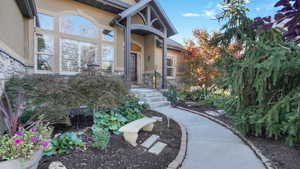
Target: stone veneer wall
{"points": [[8, 67]]}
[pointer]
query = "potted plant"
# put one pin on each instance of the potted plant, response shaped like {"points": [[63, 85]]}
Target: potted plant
{"points": [[21, 148], [25, 149]]}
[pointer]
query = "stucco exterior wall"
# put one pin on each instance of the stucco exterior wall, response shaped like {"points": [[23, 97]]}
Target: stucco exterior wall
{"points": [[149, 53], [12, 29]]}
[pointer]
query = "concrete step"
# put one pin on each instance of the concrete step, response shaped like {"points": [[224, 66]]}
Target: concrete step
{"points": [[150, 141], [159, 104], [150, 94], [155, 99], [152, 97]]}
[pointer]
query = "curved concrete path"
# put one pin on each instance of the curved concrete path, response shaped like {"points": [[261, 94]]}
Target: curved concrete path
{"points": [[210, 145]]}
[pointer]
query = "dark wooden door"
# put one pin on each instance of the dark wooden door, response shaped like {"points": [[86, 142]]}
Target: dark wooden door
{"points": [[133, 67]]}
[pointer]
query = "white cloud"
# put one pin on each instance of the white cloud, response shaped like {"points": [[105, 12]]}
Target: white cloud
{"points": [[257, 9], [209, 13], [191, 14]]}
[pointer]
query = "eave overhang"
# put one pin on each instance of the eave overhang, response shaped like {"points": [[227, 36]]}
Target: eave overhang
{"points": [[27, 8]]}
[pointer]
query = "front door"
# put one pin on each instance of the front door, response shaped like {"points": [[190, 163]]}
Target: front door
{"points": [[133, 67]]}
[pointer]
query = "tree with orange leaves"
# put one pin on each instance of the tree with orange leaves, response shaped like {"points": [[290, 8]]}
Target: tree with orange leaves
{"points": [[202, 54]]}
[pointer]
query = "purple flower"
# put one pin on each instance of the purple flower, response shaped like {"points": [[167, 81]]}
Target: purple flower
{"points": [[19, 133], [35, 139], [18, 141], [45, 144], [33, 129]]}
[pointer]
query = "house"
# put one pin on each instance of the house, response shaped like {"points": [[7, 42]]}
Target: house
{"points": [[123, 37]]}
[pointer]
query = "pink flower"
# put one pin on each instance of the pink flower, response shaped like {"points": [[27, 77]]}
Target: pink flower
{"points": [[45, 144], [35, 139], [18, 141], [19, 133], [33, 129]]}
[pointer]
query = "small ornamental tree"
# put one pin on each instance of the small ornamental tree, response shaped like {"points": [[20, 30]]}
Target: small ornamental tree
{"points": [[287, 17], [202, 55]]}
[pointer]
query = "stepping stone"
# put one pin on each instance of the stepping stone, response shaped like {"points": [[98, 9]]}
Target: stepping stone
{"points": [[150, 141], [212, 113], [57, 165], [160, 119], [221, 112], [157, 148]]}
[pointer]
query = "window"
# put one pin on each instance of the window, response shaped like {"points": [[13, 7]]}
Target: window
{"points": [[87, 54], [77, 25], [44, 52], [107, 58], [75, 44], [171, 69], [108, 35], [69, 56], [45, 22]]}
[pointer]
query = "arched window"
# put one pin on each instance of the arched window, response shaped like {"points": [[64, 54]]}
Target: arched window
{"points": [[72, 45], [77, 25]]}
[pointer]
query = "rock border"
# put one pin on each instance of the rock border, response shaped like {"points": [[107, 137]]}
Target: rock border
{"points": [[178, 161], [266, 162]]}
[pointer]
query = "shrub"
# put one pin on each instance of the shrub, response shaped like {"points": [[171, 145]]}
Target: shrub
{"points": [[55, 95], [171, 95], [25, 142], [64, 143]]}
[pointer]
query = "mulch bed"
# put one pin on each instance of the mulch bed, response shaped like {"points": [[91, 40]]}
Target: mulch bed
{"points": [[119, 154], [282, 156]]}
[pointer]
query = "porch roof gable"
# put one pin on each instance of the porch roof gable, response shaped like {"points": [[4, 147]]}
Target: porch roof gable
{"points": [[134, 9]]}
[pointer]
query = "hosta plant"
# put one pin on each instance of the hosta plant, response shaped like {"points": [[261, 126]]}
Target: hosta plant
{"points": [[64, 143], [109, 120]]}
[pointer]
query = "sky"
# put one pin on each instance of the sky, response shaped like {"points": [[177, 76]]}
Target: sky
{"points": [[187, 15]]}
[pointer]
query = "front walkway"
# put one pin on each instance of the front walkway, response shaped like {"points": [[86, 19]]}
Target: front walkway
{"points": [[211, 146]]}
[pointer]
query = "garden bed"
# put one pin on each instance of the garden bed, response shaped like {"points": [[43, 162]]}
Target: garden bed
{"points": [[281, 155], [119, 154]]}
